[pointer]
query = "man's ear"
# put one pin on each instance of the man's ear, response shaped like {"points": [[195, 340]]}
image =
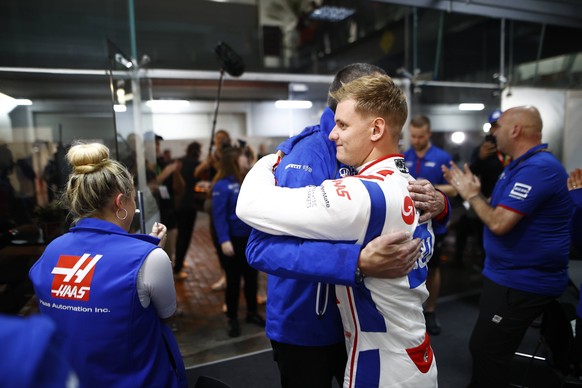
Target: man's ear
{"points": [[515, 131], [379, 129]]}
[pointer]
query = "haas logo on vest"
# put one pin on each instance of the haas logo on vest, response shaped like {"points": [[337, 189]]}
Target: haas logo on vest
{"points": [[73, 276]]}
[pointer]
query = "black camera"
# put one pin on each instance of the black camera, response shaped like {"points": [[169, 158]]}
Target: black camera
{"points": [[491, 138]]}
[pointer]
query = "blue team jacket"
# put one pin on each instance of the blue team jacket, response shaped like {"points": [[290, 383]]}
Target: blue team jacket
{"points": [[295, 266], [86, 282], [226, 223]]}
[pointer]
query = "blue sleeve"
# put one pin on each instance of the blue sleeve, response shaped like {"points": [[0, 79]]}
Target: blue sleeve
{"points": [[527, 191], [310, 260], [220, 210]]}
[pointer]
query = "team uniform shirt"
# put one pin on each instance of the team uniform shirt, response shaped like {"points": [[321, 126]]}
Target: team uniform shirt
{"points": [[383, 320], [87, 282], [534, 185], [429, 168]]}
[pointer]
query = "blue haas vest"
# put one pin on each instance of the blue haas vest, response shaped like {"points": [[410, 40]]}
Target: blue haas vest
{"points": [[86, 282]]}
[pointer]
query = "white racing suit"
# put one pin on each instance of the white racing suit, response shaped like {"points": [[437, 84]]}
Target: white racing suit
{"points": [[383, 319]]}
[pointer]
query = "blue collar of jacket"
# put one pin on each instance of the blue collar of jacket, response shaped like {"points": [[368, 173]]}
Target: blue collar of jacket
{"points": [[101, 226], [326, 124]]}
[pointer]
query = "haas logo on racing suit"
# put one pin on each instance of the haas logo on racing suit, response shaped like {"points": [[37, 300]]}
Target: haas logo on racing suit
{"points": [[341, 189], [73, 276]]}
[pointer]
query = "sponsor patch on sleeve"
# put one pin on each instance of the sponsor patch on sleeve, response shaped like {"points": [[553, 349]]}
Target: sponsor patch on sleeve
{"points": [[520, 191]]}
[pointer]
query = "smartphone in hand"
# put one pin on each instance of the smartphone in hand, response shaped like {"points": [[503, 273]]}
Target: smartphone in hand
{"points": [[491, 139]]}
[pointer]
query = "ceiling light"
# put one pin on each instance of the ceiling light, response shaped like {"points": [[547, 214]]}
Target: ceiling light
{"points": [[119, 108], [475, 107], [331, 14], [167, 105], [298, 87], [123, 61], [293, 104], [458, 137], [120, 95], [8, 103]]}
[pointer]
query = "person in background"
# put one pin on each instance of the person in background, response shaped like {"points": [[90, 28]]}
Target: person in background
{"points": [[206, 171], [232, 235], [303, 322], [170, 189], [7, 195], [382, 318], [487, 163], [247, 163], [262, 151], [167, 157], [25, 194], [526, 239], [424, 160], [109, 291], [187, 208], [31, 355], [574, 184]]}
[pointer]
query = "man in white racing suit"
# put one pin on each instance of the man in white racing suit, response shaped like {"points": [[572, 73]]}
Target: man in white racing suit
{"points": [[383, 318]]}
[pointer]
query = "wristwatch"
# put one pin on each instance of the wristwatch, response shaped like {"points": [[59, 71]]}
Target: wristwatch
{"points": [[359, 275]]}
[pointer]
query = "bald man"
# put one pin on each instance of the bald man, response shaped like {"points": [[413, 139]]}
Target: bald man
{"points": [[526, 239]]}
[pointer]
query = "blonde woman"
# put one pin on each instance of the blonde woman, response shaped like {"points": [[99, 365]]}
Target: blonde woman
{"points": [[109, 291]]}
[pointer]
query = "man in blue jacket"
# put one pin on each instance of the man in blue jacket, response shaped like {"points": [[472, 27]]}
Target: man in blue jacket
{"points": [[303, 321]]}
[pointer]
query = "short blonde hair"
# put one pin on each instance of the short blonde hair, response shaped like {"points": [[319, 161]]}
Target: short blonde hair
{"points": [[94, 180], [376, 95]]}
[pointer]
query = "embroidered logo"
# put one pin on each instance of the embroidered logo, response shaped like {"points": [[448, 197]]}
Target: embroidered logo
{"points": [[341, 189], [346, 171], [73, 276], [520, 191], [401, 165]]}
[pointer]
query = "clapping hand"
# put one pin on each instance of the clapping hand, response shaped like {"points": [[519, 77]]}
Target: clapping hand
{"points": [[466, 184]]}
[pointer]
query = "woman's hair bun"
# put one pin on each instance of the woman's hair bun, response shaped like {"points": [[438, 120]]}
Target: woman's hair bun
{"points": [[86, 158]]}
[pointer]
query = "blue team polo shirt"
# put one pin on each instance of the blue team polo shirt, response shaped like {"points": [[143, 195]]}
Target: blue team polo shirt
{"points": [[533, 256], [429, 168]]}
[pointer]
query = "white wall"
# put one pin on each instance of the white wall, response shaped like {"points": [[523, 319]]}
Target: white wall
{"points": [[572, 155], [552, 106], [272, 122]]}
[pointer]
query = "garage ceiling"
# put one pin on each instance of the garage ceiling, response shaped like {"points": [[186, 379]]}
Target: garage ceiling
{"points": [[58, 49]]}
